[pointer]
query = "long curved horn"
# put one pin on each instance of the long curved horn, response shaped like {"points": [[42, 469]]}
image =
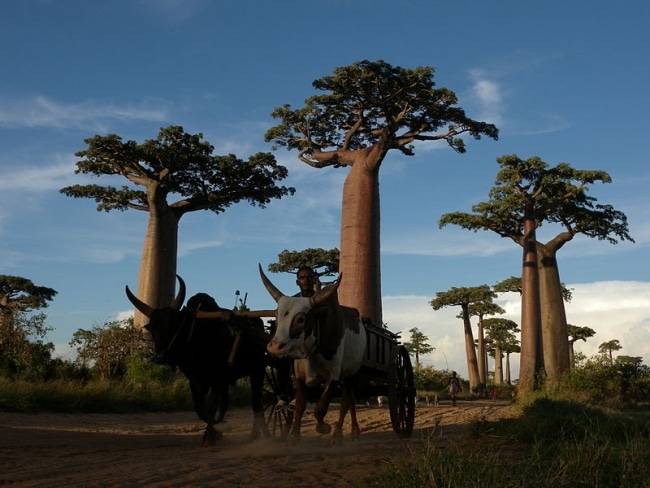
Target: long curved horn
{"points": [[148, 309], [180, 297], [326, 293], [270, 287], [137, 303]]}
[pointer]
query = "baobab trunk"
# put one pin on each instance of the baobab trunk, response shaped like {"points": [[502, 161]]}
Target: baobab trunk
{"points": [[482, 355], [555, 336], [498, 366], [360, 259], [531, 359], [157, 279], [470, 353]]}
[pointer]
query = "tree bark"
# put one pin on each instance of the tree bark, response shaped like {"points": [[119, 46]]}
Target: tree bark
{"points": [[555, 336], [498, 366], [470, 352], [531, 357], [360, 247], [157, 279]]}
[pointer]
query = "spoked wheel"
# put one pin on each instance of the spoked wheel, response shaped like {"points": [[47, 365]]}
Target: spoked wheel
{"points": [[277, 409], [401, 392]]}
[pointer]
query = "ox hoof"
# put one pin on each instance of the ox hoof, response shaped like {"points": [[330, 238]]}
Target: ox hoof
{"points": [[323, 428], [210, 437]]}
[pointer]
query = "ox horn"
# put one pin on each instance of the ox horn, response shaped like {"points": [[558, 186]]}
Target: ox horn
{"points": [[148, 309], [270, 287], [180, 297], [326, 293]]}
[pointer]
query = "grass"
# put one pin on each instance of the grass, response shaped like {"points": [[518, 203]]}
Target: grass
{"points": [[96, 396], [553, 443]]}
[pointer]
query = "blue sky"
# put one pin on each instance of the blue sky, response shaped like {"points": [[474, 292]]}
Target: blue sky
{"points": [[565, 81]]}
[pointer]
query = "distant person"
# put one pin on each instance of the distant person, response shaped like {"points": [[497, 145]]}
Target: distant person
{"points": [[454, 387], [306, 279]]}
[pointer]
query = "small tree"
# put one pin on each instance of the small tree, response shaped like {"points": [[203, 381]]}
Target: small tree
{"points": [[176, 164], [323, 262], [418, 345], [464, 297], [500, 333], [23, 350], [107, 348], [577, 333], [608, 347]]}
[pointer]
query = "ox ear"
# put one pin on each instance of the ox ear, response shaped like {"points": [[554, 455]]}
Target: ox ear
{"points": [[326, 293], [137, 303], [270, 287], [180, 297]]}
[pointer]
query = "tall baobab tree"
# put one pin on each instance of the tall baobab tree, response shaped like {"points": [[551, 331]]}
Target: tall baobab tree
{"points": [[529, 193], [480, 310], [175, 164], [366, 110]]}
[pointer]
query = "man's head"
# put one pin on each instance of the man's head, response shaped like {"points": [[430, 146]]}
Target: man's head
{"points": [[305, 279]]}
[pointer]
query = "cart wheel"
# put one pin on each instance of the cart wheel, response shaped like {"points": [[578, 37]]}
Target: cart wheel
{"points": [[277, 409], [401, 392]]}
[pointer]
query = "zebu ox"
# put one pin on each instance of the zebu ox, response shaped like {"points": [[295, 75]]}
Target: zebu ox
{"points": [[205, 349], [328, 342]]}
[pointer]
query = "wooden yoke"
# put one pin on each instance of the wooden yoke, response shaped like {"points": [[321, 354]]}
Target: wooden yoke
{"points": [[226, 314]]}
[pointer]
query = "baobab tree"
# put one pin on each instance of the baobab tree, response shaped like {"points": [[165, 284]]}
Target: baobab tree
{"points": [[529, 193], [366, 110], [577, 333], [464, 297], [500, 333], [175, 164], [480, 310], [608, 347]]}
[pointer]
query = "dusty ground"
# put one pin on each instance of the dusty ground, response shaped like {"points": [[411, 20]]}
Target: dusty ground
{"points": [[163, 450]]}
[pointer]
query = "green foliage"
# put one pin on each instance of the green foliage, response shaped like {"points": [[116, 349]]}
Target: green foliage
{"points": [[18, 294], [323, 262], [372, 102], [175, 163], [23, 350], [95, 396], [418, 345], [108, 349], [428, 379]]}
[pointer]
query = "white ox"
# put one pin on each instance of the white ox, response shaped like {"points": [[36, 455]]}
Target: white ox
{"points": [[328, 342]]}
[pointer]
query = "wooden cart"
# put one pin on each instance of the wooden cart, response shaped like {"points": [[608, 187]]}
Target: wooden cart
{"points": [[386, 371]]}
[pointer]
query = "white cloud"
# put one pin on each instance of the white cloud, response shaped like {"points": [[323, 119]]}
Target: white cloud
{"points": [[41, 111]]}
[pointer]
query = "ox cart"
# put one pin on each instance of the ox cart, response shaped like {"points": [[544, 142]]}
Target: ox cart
{"points": [[386, 371]]}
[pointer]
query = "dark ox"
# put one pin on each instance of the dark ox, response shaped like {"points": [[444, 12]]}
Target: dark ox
{"points": [[199, 340], [327, 341]]}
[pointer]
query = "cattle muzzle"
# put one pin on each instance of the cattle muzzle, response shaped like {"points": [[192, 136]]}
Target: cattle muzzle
{"points": [[277, 349]]}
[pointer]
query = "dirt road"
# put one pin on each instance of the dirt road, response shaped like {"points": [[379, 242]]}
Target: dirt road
{"points": [[163, 450]]}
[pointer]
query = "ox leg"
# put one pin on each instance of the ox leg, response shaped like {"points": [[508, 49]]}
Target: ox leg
{"points": [[347, 404], [205, 405], [257, 387], [320, 410], [300, 404], [222, 399]]}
